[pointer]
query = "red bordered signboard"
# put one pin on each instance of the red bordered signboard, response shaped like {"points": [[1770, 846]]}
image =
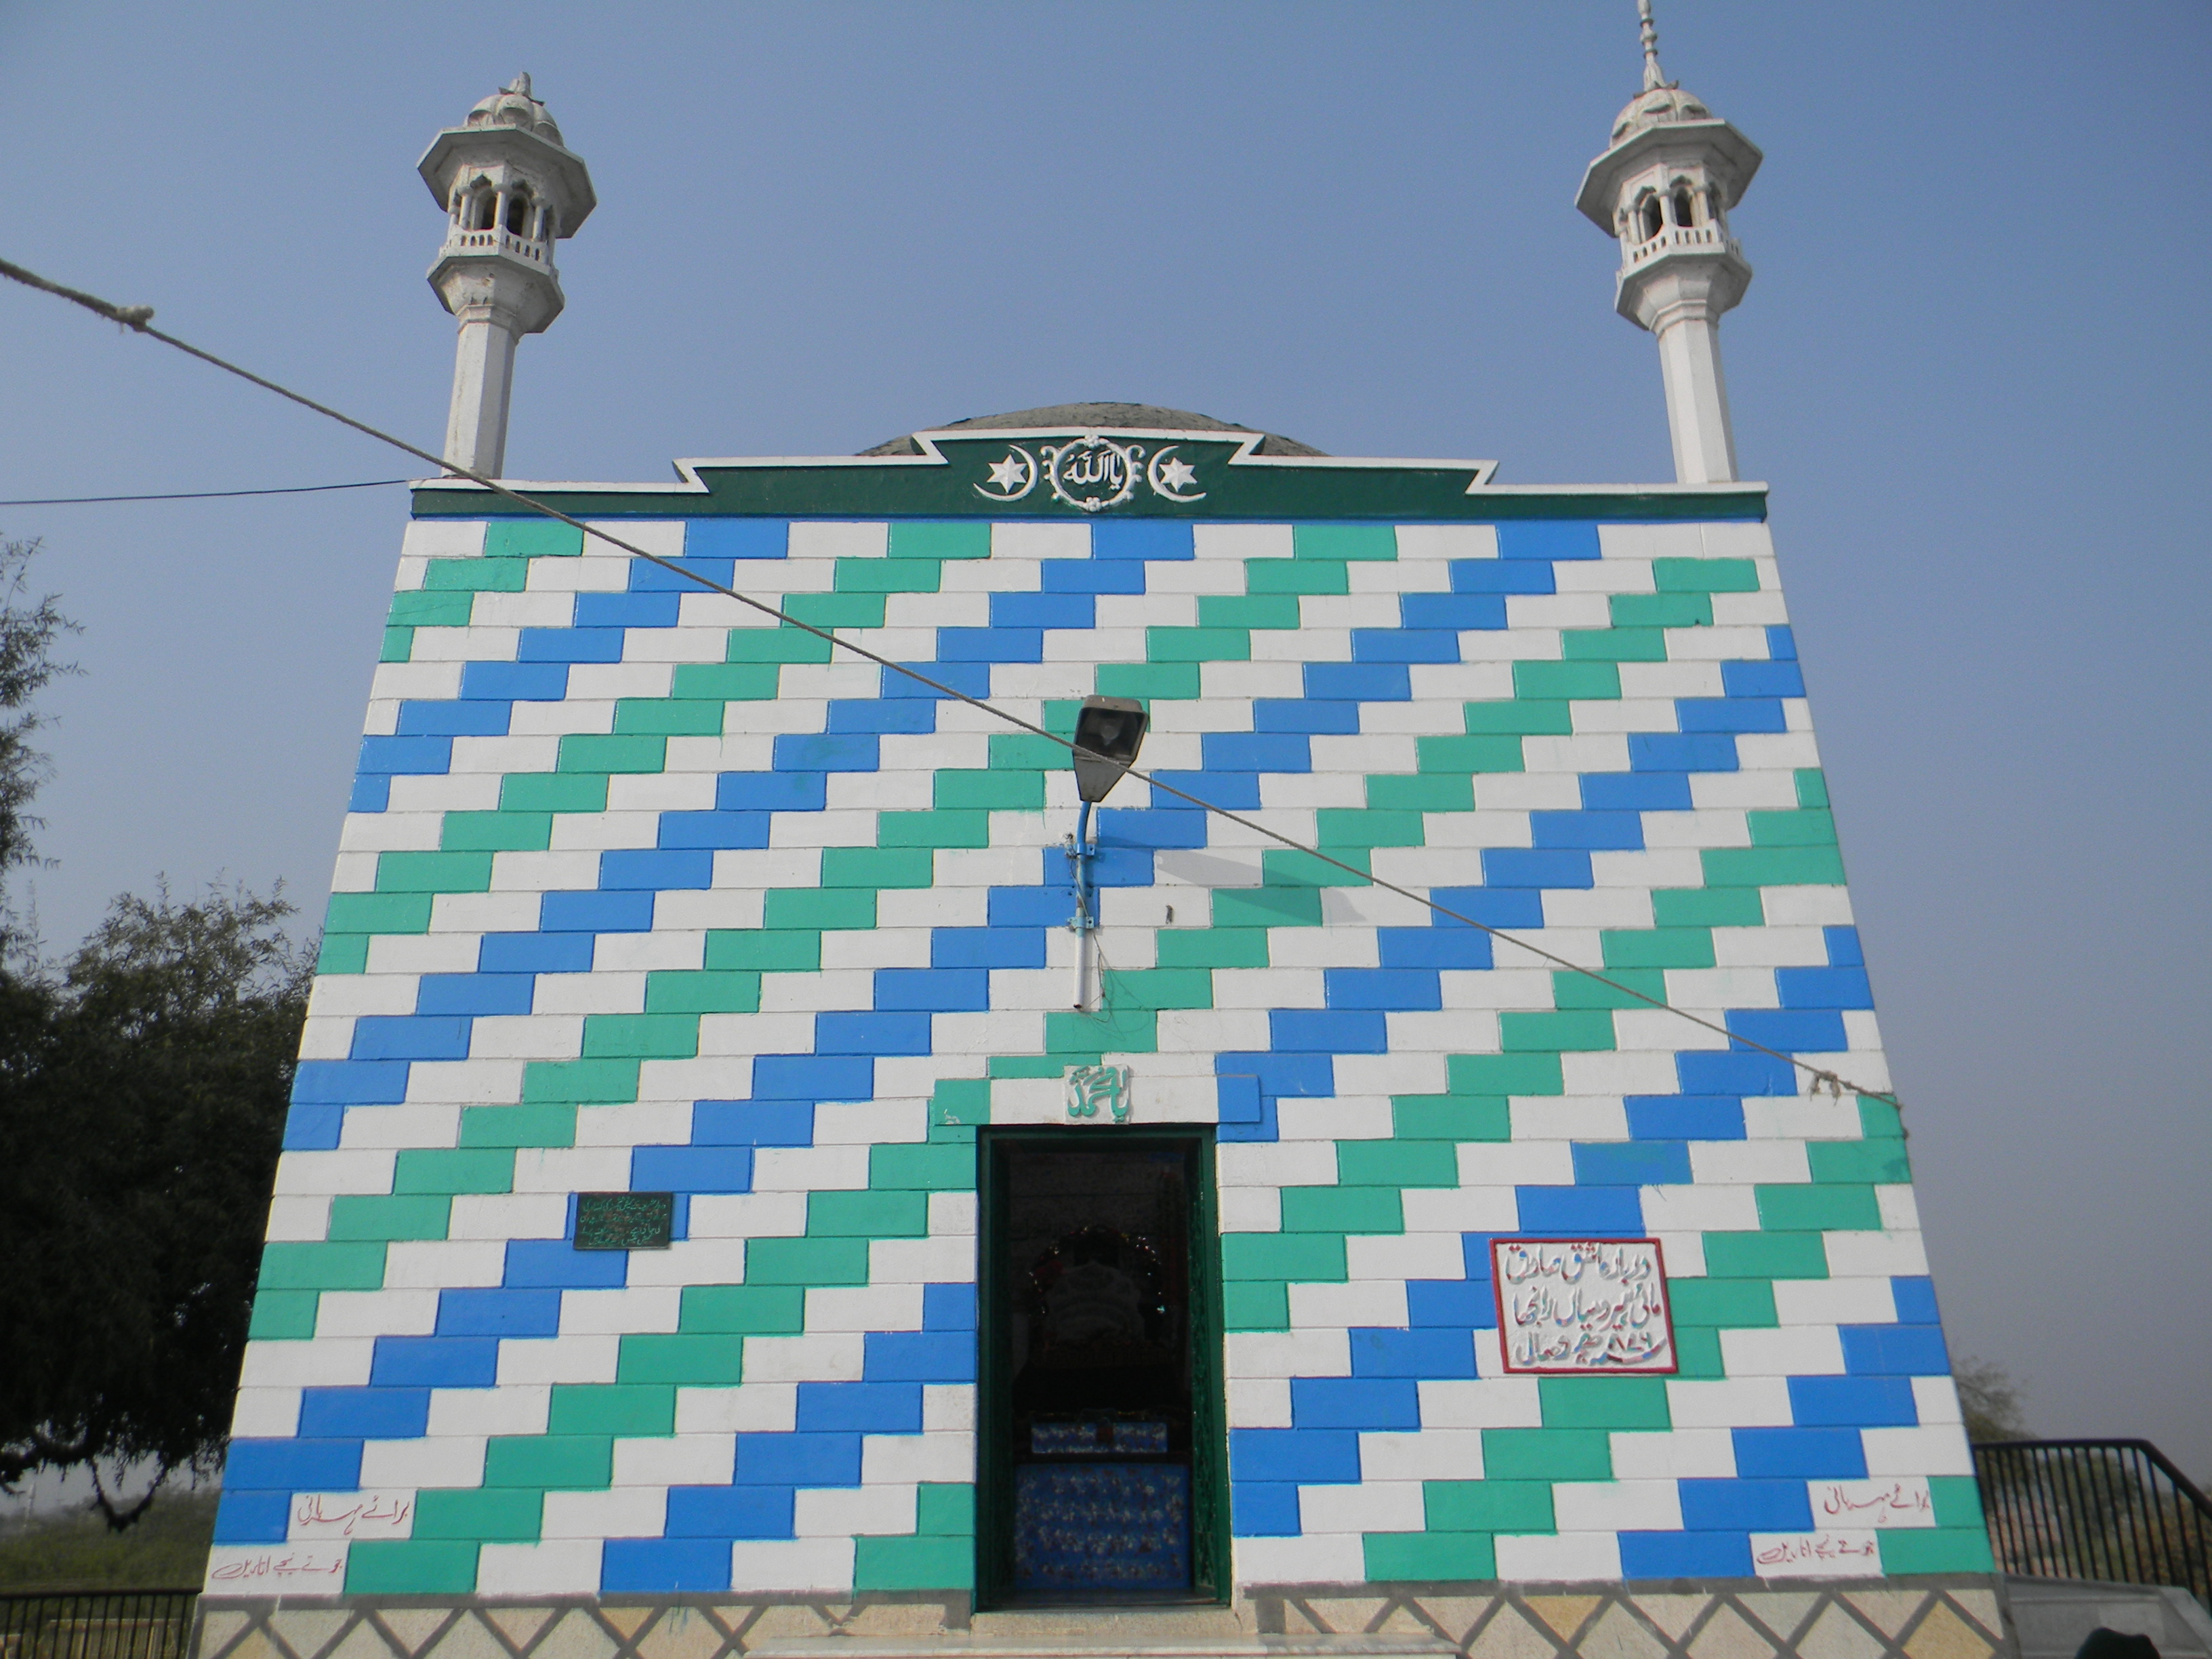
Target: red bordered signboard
{"points": [[1579, 1307]]}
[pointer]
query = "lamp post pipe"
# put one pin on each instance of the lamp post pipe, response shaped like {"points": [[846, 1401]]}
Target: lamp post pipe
{"points": [[1082, 923]]}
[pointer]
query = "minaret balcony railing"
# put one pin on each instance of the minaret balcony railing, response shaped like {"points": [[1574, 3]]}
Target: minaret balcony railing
{"points": [[1682, 238], [499, 241]]}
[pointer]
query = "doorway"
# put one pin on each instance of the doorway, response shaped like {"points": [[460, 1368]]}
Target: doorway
{"points": [[1101, 1476]]}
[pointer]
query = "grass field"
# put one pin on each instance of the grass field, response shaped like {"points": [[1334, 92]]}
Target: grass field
{"points": [[167, 1550]]}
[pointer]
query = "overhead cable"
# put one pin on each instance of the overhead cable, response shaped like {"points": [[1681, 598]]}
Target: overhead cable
{"points": [[202, 494]]}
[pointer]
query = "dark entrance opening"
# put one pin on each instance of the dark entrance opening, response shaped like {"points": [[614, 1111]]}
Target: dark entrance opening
{"points": [[1101, 1477]]}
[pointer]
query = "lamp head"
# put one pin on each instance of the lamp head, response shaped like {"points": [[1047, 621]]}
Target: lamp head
{"points": [[1109, 732]]}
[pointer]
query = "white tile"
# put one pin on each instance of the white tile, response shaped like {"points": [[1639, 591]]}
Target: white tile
{"points": [[618, 1511], [1372, 1506], [1616, 1505], [1735, 1402], [748, 1408], [518, 1408], [554, 1567], [1933, 1449], [1792, 1350], [1505, 1402], [1681, 1455], [854, 1512], [444, 1461], [802, 1563], [1430, 1455], [903, 1459], [1567, 1557]]}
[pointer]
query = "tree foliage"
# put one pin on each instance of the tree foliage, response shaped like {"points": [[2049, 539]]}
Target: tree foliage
{"points": [[1990, 1401], [29, 629]]}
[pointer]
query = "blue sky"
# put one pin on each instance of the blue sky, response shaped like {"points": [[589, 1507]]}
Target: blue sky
{"points": [[1973, 366]]}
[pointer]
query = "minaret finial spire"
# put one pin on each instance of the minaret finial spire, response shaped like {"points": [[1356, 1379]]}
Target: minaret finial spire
{"points": [[1653, 76]]}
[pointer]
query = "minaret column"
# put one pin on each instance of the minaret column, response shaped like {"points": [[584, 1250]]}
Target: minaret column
{"points": [[1697, 400], [483, 384]]}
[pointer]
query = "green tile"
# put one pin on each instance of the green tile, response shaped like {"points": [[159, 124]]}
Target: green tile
{"points": [[1733, 1303], [1879, 1120], [619, 1408], [885, 576], [1708, 907], [842, 610], [913, 1564], [1170, 682], [1504, 1074], [1935, 1549], [1765, 1255], [1958, 1500], [433, 872], [961, 1100], [599, 752], [1051, 1066], [867, 1213], [454, 1169], [1021, 751], [286, 1315], [875, 866], [1118, 1031], [1265, 906], [1255, 1305], [932, 829], [764, 950], [322, 1267], [342, 953], [1455, 755], [1157, 987], [1604, 1402], [1812, 786], [1859, 1163], [1344, 541], [409, 1567], [1807, 827], [1580, 1030], [742, 1310], [940, 538], [1658, 947], [815, 908], [944, 1509], [553, 791], [1705, 575], [1818, 1209], [692, 1359], [1698, 1353], [1212, 947], [1534, 718], [1342, 1210], [1582, 681], [1393, 1164], [1420, 791], [988, 792], [1614, 645], [641, 1037], [1248, 610], [580, 1082], [496, 832], [1316, 1258], [1301, 575], [1546, 1454], [673, 717], [1580, 992], [557, 1462], [1662, 610], [532, 539], [676, 991], [1340, 828], [948, 1167], [474, 576], [399, 645], [1430, 1556], [1448, 1118], [725, 682], [431, 609], [1197, 645], [1281, 867], [806, 1262], [407, 1215], [1489, 1505], [504, 1515], [781, 644], [1772, 866], [539, 1124]]}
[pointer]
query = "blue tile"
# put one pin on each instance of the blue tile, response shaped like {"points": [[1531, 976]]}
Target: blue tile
{"points": [[814, 1077], [1303, 1076], [1895, 1350], [1799, 1454], [1236, 1100], [1749, 1505], [1256, 751], [556, 1263], [753, 1123], [1444, 945], [1915, 1297], [973, 679], [948, 1308], [647, 577], [637, 1566], [1355, 1402], [1306, 715], [871, 1034], [407, 757], [473, 994], [919, 1357], [1637, 792], [1508, 906], [1327, 1030], [535, 953], [312, 1128], [1309, 1454], [990, 947], [596, 912], [252, 1517], [292, 1466], [1762, 679], [1383, 987], [569, 645], [1547, 538], [635, 609], [1684, 1117], [1844, 949], [893, 716], [1685, 1555], [372, 792], [364, 1413], [1824, 988], [735, 539], [1815, 1032], [1780, 644], [1535, 866], [351, 1082], [871, 1407], [706, 1169], [745, 830], [1704, 1072], [1590, 831], [1406, 645], [495, 1312], [1264, 1508], [410, 1036], [1460, 611], [730, 1512], [1243, 1124], [1853, 1402], [772, 791], [799, 1460], [990, 645], [1091, 576], [1154, 827], [435, 1362], [1500, 576], [1043, 610], [1141, 538], [454, 719], [1417, 1352], [656, 869], [1115, 867], [1360, 682], [1455, 1305], [1235, 790], [824, 751], [1703, 714], [1022, 909], [1631, 1163], [1681, 751], [1582, 1212], [933, 990]]}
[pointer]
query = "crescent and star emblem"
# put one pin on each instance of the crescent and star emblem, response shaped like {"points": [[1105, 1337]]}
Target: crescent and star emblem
{"points": [[1091, 473]]}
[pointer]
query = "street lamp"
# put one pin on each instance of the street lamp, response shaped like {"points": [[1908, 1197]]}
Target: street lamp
{"points": [[1109, 732]]}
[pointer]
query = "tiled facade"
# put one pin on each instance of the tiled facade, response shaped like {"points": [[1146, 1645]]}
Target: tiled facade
{"points": [[639, 890]]}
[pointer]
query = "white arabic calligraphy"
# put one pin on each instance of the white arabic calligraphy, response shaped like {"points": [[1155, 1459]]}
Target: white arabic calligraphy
{"points": [[1905, 1502], [1583, 1305], [350, 1515], [1814, 1554]]}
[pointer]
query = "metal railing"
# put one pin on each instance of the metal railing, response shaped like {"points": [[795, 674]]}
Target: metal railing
{"points": [[96, 1624], [2112, 1510]]}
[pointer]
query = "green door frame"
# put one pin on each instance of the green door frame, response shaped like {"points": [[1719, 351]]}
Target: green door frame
{"points": [[1209, 1474]]}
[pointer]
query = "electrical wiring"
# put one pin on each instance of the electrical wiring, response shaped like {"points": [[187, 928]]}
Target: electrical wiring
{"points": [[202, 494]]}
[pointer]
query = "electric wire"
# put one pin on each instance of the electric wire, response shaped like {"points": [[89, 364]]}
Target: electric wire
{"points": [[140, 320], [202, 494]]}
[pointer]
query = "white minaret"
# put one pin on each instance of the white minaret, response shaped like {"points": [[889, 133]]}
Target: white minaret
{"points": [[510, 191], [1664, 189]]}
